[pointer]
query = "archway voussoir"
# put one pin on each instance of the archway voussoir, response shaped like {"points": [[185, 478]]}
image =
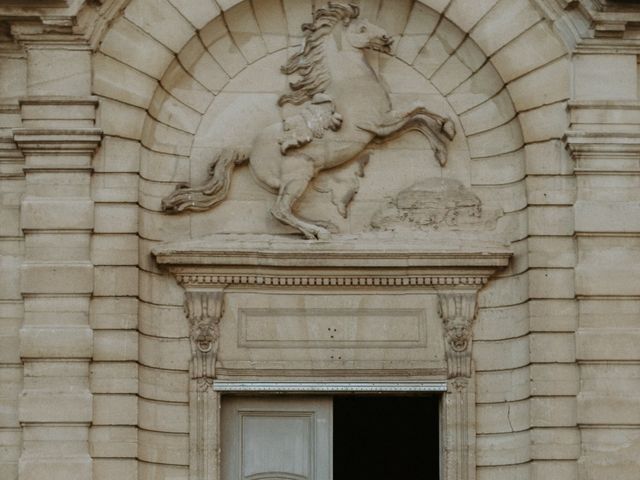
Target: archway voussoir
{"points": [[504, 22], [547, 84], [132, 46], [197, 12], [545, 123], [479, 88], [119, 81], [162, 21], [466, 14], [535, 47]]}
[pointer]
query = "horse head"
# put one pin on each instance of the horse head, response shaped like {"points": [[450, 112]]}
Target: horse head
{"points": [[363, 34]]}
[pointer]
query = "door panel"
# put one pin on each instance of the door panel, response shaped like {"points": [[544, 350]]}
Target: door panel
{"points": [[276, 438]]}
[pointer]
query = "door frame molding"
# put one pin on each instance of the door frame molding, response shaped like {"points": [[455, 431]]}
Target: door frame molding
{"points": [[454, 270]]}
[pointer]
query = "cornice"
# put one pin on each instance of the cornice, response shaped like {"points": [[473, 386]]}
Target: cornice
{"points": [[345, 261]]}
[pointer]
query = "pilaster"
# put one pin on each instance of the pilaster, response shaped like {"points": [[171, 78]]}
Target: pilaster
{"points": [[57, 139]]}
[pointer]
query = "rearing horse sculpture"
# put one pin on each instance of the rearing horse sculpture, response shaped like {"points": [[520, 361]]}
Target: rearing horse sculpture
{"points": [[341, 108]]}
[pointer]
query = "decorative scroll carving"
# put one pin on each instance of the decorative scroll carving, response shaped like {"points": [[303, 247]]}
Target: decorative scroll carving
{"points": [[435, 204], [311, 135], [204, 310], [458, 310]]}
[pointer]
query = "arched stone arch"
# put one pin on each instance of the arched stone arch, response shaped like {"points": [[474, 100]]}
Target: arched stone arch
{"points": [[504, 74]]}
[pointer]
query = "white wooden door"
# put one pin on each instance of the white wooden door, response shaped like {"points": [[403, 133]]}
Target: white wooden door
{"points": [[276, 438]]}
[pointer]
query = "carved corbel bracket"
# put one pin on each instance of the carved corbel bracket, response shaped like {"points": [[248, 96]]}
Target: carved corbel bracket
{"points": [[204, 309], [458, 311]]}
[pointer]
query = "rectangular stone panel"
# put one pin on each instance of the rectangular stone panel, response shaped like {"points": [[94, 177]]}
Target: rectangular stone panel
{"points": [[365, 331]]}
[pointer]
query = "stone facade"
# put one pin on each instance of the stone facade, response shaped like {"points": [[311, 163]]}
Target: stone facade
{"points": [[501, 235]]}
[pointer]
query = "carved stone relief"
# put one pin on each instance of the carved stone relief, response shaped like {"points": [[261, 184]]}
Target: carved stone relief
{"points": [[435, 204], [337, 107]]}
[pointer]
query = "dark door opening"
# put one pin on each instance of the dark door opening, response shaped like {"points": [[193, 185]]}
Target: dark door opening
{"points": [[384, 438]]}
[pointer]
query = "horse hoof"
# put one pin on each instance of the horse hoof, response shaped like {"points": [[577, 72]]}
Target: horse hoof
{"points": [[323, 234]]}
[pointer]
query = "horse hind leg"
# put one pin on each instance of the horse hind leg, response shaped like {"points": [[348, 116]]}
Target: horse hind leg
{"points": [[289, 193]]}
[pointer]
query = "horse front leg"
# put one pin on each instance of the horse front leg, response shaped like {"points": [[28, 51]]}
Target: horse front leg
{"points": [[434, 127]]}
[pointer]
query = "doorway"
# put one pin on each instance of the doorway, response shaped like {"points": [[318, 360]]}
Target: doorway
{"points": [[342, 437]]}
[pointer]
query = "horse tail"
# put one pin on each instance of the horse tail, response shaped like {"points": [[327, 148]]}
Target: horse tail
{"points": [[212, 191]]}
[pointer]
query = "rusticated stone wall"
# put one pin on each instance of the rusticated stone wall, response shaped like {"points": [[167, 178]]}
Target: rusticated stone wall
{"points": [[94, 348]]}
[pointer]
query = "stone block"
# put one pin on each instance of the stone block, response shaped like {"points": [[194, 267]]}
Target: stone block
{"points": [[160, 289], [75, 278], [165, 139], [219, 43], [35, 406], [198, 12], [553, 347], [113, 377], [56, 468], [608, 344], [481, 86], [114, 313], [117, 80], [544, 123], [503, 139], [553, 412], [162, 320], [503, 449], [503, 354], [593, 79], [551, 379], [148, 56], [162, 167], [114, 187], [242, 25], [551, 190], [116, 218], [501, 323], [548, 158], [505, 291], [164, 353], [547, 84], [166, 448], [120, 119], [109, 468], [163, 417], [57, 214], [113, 442], [172, 112], [565, 469], [158, 471], [609, 313], [553, 315], [115, 345], [504, 472], [11, 381], [608, 452], [551, 220], [162, 21], [502, 385], [111, 409], [272, 23], [490, 114], [56, 342], [506, 168], [10, 270], [551, 283], [506, 20], [603, 266], [536, 47], [421, 24], [57, 184], [118, 281], [185, 88], [506, 417], [555, 443], [165, 385], [59, 72], [552, 252], [465, 14], [9, 343], [57, 247], [117, 155], [115, 249], [605, 217]]}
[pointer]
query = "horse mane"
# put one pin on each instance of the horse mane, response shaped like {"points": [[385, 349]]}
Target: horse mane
{"points": [[309, 61]]}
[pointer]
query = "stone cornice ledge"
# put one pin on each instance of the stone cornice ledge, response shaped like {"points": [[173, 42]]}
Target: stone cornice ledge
{"points": [[364, 260]]}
